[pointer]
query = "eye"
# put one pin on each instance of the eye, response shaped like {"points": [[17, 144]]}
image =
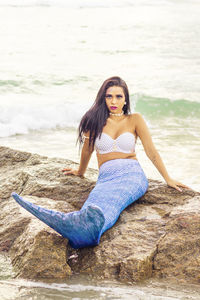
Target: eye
{"points": [[108, 96], [119, 96]]}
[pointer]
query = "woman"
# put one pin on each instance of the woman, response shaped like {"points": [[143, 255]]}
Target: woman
{"points": [[109, 128]]}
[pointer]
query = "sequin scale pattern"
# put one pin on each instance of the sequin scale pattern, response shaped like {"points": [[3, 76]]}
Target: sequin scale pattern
{"points": [[120, 183]]}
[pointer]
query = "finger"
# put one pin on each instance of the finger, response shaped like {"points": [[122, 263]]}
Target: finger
{"points": [[186, 187], [68, 173], [177, 188], [66, 169], [183, 185]]}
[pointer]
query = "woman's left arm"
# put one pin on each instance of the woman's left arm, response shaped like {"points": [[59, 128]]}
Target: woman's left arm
{"points": [[150, 150]]}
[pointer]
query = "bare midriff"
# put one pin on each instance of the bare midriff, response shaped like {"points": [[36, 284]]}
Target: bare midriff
{"points": [[102, 158]]}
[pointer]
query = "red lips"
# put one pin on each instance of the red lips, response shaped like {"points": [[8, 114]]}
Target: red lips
{"points": [[113, 107]]}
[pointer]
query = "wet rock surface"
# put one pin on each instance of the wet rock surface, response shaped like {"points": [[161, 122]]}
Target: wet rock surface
{"points": [[157, 236]]}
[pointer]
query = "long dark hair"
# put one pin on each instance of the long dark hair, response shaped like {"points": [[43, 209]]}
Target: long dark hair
{"points": [[95, 118]]}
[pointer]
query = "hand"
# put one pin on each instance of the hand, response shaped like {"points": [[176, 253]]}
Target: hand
{"points": [[175, 184], [70, 171]]}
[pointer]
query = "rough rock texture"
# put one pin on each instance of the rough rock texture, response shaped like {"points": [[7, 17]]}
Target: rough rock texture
{"points": [[158, 236]]}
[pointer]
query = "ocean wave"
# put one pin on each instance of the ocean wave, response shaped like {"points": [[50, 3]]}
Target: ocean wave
{"points": [[30, 84], [21, 117], [63, 3], [80, 3], [153, 107]]}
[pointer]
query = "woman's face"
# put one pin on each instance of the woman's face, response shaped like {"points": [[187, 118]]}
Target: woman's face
{"points": [[115, 99]]}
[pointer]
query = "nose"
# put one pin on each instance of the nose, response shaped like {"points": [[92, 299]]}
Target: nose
{"points": [[113, 100]]}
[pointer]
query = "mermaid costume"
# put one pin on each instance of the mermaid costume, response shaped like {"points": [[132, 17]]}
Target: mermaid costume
{"points": [[120, 183]]}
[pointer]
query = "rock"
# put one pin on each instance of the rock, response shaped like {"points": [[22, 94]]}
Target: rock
{"points": [[157, 236], [178, 253], [40, 250]]}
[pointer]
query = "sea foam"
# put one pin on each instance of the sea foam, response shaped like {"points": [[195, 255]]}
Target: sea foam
{"points": [[79, 3], [20, 115]]}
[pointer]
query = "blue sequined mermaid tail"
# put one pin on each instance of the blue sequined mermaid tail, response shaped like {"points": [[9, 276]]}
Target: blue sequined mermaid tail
{"points": [[82, 228], [120, 183]]}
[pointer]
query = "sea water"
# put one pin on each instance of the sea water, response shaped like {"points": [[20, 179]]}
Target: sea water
{"points": [[54, 56]]}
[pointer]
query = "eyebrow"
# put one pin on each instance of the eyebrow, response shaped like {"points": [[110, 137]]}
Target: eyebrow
{"points": [[116, 94]]}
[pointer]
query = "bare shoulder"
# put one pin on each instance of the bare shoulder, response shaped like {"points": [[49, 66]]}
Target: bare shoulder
{"points": [[136, 118]]}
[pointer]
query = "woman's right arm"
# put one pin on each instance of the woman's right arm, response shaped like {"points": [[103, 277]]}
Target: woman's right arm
{"points": [[86, 153]]}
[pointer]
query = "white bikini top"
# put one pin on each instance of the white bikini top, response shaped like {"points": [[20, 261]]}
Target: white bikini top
{"points": [[125, 143]]}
